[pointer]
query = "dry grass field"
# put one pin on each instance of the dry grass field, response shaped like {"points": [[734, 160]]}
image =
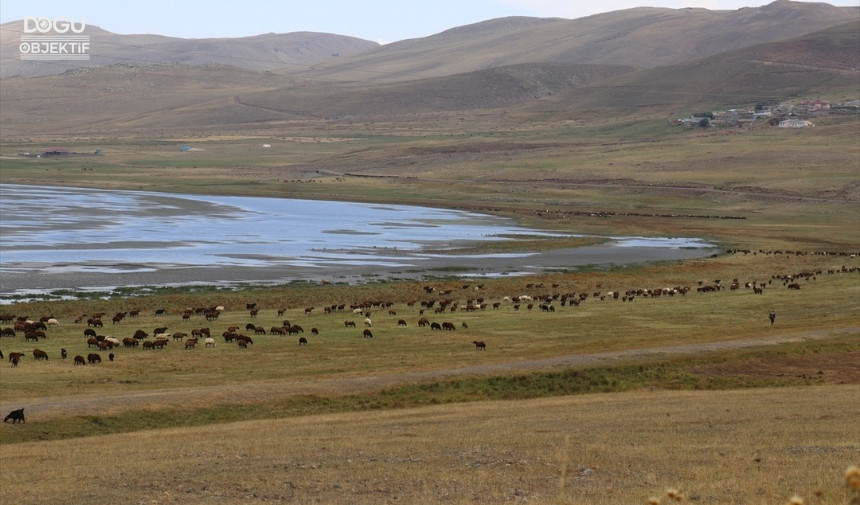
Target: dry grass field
{"points": [[748, 447]]}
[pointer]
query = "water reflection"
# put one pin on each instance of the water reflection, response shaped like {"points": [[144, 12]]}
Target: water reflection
{"points": [[74, 237]]}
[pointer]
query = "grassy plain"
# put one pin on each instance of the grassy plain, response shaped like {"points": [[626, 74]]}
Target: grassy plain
{"points": [[751, 446], [398, 417]]}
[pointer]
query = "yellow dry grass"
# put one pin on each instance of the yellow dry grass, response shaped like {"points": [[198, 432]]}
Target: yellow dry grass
{"points": [[757, 447]]}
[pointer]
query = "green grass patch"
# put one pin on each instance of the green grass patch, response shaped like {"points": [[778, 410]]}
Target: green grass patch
{"points": [[678, 374]]}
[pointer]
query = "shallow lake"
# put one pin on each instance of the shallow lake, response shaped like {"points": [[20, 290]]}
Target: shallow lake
{"points": [[75, 238]]}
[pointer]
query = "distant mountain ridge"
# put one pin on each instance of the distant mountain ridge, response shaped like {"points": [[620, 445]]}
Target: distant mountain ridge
{"points": [[420, 76], [260, 52], [642, 37]]}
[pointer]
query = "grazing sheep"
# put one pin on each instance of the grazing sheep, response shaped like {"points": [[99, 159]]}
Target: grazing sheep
{"points": [[367, 322], [17, 416], [303, 341], [480, 345], [368, 334], [210, 342], [79, 360], [111, 356]]}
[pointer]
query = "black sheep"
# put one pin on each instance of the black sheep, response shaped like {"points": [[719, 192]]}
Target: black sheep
{"points": [[17, 416]]}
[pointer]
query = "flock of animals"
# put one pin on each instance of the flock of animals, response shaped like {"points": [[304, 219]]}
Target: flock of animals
{"points": [[437, 303], [159, 338]]}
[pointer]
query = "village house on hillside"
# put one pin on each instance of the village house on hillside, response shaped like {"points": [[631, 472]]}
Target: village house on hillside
{"points": [[784, 115]]}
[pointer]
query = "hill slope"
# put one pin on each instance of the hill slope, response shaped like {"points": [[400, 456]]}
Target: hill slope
{"points": [[640, 37], [809, 66], [262, 52], [138, 99]]}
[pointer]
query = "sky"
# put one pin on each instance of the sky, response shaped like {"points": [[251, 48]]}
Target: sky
{"points": [[381, 21]]}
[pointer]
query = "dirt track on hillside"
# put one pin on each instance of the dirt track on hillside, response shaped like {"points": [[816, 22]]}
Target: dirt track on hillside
{"points": [[227, 394]]}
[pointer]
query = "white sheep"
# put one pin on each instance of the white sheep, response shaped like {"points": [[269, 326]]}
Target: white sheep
{"points": [[367, 322], [210, 342]]}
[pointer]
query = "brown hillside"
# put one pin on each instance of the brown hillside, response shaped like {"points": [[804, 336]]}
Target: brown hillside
{"points": [[640, 37], [485, 89], [109, 100], [812, 65], [139, 99], [262, 52]]}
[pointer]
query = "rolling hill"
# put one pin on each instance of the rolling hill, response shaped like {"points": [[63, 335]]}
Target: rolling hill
{"points": [[261, 52], [813, 65], [504, 63], [641, 37]]}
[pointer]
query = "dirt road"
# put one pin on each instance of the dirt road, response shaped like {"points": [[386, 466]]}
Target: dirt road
{"points": [[107, 404]]}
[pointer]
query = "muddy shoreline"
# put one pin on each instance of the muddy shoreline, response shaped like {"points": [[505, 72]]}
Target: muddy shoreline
{"points": [[411, 267]]}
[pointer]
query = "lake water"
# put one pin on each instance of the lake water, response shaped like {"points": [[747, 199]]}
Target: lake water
{"points": [[75, 238]]}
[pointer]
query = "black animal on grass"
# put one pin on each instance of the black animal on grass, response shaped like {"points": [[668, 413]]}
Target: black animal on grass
{"points": [[17, 416]]}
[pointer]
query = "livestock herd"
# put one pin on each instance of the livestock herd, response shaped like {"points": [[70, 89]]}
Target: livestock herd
{"points": [[160, 336], [437, 302]]}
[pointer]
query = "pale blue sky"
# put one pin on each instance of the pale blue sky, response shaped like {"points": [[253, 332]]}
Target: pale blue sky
{"points": [[378, 20]]}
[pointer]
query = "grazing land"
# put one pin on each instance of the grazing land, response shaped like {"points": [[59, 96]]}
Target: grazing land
{"points": [[648, 383], [610, 401]]}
